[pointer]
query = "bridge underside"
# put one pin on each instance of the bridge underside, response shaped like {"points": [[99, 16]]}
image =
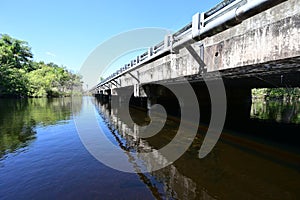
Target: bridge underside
{"points": [[274, 74]]}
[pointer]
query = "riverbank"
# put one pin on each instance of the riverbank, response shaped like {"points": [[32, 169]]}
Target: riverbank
{"points": [[283, 94]]}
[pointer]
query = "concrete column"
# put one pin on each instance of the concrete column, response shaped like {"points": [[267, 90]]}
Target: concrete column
{"points": [[239, 101], [105, 98], [122, 96], [151, 101], [97, 95]]}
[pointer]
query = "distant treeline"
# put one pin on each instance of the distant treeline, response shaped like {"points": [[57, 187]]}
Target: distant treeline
{"points": [[277, 93], [20, 76]]}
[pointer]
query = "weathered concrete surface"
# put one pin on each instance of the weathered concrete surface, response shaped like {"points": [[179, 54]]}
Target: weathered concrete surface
{"points": [[271, 35], [266, 45]]}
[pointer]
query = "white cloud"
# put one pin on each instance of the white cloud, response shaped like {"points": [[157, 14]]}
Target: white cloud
{"points": [[50, 54]]}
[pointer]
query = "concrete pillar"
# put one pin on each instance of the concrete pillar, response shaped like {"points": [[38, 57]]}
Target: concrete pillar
{"points": [[105, 98], [239, 102], [143, 102], [122, 96], [151, 101], [121, 100]]}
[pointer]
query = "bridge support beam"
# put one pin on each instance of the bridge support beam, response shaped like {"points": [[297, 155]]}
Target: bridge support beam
{"points": [[104, 96], [151, 101], [121, 96], [239, 101]]}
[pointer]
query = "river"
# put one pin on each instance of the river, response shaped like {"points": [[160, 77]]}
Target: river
{"points": [[42, 156]]}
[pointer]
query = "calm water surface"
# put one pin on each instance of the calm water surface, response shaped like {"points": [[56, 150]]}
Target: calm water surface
{"points": [[42, 157]]}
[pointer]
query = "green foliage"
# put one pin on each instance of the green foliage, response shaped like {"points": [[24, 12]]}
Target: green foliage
{"points": [[276, 93], [280, 111], [15, 53], [20, 76], [13, 82]]}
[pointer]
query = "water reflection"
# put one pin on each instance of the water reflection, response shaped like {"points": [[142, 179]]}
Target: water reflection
{"points": [[167, 182], [20, 117], [280, 111], [237, 168]]}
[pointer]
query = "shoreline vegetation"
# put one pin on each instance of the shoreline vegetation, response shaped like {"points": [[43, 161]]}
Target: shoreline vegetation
{"points": [[280, 94], [22, 77]]}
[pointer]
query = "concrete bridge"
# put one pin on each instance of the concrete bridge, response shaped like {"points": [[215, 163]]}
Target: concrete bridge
{"points": [[250, 43]]}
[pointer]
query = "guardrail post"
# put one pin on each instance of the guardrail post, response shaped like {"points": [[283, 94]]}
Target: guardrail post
{"points": [[167, 41], [202, 20], [136, 90], [196, 25], [150, 51]]}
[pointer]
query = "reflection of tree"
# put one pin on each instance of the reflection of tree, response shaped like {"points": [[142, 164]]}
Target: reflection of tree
{"points": [[19, 117]]}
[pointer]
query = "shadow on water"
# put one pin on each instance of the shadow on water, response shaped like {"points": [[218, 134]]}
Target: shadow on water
{"points": [[20, 117], [240, 166], [273, 122]]}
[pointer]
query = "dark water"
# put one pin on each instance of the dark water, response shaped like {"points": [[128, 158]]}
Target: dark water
{"points": [[42, 157]]}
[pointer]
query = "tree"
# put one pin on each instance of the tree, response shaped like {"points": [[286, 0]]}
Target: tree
{"points": [[52, 80], [15, 53], [20, 76], [15, 62]]}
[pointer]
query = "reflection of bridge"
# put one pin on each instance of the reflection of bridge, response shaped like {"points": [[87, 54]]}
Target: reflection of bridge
{"points": [[252, 43], [229, 171], [127, 136]]}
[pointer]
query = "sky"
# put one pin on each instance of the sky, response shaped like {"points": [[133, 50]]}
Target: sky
{"points": [[66, 32]]}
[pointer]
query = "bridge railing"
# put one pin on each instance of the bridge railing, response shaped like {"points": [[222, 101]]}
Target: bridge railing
{"points": [[182, 32], [201, 25], [221, 9]]}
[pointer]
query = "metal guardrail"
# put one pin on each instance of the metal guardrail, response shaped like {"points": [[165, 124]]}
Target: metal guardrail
{"points": [[221, 10], [218, 7], [183, 30], [222, 13]]}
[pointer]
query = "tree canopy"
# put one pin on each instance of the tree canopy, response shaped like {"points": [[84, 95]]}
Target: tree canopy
{"points": [[20, 76]]}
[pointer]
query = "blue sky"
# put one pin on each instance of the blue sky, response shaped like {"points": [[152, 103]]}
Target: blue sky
{"points": [[66, 32]]}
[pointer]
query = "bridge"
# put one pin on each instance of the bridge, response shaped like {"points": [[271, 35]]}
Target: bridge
{"points": [[249, 43]]}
